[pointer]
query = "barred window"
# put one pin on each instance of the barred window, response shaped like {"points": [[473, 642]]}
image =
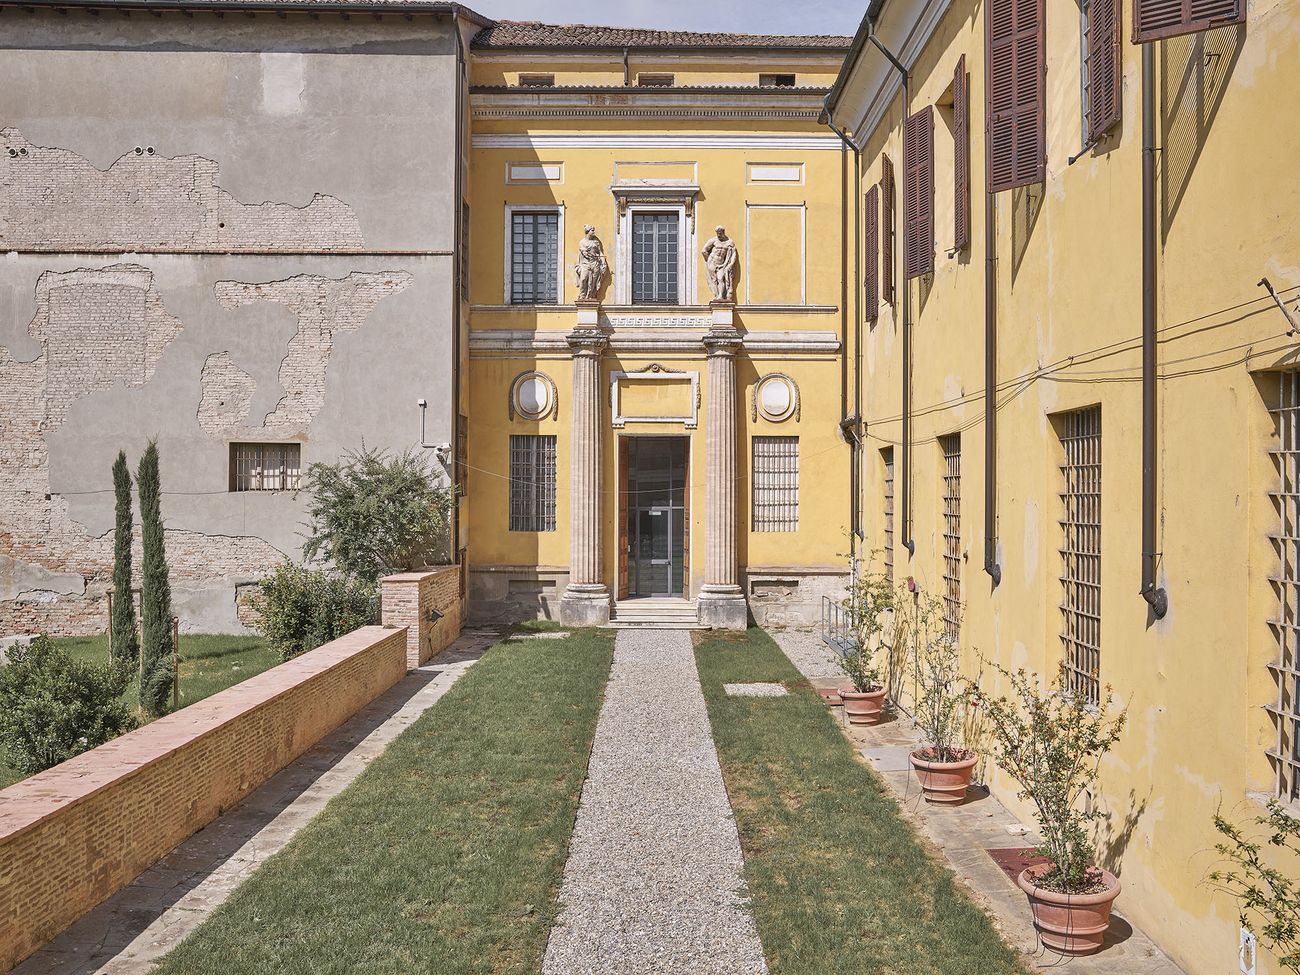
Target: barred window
{"points": [[1080, 432], [887, 463], [265, 466], [776, 484], [532, 483], [534, 258], [951, 447], [654, 258], [1284, 407]]}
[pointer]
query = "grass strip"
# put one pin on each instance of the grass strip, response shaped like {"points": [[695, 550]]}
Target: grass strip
{"points": [[839, 881], [447, 852]]}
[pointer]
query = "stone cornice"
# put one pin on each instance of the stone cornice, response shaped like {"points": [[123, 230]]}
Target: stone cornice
{"points": [[650, 341], [632, 102]]}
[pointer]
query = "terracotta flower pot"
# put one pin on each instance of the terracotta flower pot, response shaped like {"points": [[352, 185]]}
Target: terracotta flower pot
{"points": [[1073, 924], [863, 707], [944, 781], [830, 696]]}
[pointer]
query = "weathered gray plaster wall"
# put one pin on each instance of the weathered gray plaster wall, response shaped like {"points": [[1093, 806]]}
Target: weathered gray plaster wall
{"points": [[273, 263]]}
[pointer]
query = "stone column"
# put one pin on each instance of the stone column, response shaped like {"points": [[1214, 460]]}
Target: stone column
{"points": [[586, 599], [722, 603]]}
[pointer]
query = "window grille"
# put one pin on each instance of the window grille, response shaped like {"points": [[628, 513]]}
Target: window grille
{"points": [[776, 80], [537, 80], [532, 483], [654, 80], [654, 258], [534, 258], [1081, 552], [887, 458], [265, 466], [776, 484], [951, 446], [1285, 709]]}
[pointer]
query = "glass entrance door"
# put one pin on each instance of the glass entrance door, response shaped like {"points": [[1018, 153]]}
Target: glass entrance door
{"points": [[656, 510]]}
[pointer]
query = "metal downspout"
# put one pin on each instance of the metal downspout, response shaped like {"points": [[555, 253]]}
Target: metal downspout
{"points": [[1155, 596], [990, 391], [462, 84]]}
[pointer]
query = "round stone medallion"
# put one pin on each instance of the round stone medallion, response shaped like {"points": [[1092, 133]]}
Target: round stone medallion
{"points": [[532, 396], [776, 398]]}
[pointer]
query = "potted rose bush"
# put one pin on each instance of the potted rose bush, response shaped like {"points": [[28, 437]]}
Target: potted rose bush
{"points": [[943, 763], [871, 602], [1051, 741]]}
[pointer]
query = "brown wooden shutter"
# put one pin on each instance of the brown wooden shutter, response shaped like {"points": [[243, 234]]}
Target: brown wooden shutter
{"points": [[1154, 19], [961, 156], [1015, 42], [1105, 67], [871, 254], [918, 193], [887, 229]]}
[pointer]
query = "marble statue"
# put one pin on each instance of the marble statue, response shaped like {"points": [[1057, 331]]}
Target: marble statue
{"points": [[720, 264], [592, 267]]}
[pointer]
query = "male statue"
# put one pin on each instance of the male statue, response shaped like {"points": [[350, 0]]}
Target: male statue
{"points": [[720, 263], [591, 268]]}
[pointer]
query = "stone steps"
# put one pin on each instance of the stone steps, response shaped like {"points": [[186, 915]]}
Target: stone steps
{"points": [[654, 614]]}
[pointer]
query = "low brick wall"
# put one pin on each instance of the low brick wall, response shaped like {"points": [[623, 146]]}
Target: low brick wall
{"points": [[407, 600], [75, 834]]}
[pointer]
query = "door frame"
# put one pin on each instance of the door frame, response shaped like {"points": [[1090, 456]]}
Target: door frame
{"points": [[622, 480]]}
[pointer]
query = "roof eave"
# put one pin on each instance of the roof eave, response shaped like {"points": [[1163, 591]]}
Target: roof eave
{"points": [[284, 6]]}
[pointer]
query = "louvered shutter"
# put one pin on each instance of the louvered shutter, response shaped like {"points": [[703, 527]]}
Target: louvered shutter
{"points": [[871, 254], [887, 229], [918, 193], [961, 156], [1105, 67], [1015, 40], [1154, 19]]}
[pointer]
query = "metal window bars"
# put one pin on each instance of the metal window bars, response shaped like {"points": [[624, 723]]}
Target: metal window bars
{"points": [[534, 258], [532, 483], [1285, 670], [887, 459], [951, 447], [775, 484], [1081, 552], [654, 258], [265, 466]]}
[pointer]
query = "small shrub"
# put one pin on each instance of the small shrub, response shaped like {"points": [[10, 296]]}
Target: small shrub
{"points": [[372, 514], [943, 697], [871, 607], [1268, 899], [53, 707], [302, 608]]}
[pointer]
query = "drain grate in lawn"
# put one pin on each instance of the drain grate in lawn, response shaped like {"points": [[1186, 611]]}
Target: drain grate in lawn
{"points": [[838, 880], [447, 852]]}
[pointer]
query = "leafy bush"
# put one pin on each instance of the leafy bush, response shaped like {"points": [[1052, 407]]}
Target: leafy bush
{"points": [[1269, 900], [871, 607], [53, 707], [1051, 742], [372, 514], [302, 608], [943, 695]]}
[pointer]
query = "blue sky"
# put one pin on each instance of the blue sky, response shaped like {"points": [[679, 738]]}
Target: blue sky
{"points": [[756, 16]]}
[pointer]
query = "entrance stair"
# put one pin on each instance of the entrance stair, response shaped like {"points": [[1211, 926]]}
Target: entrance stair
{"points": [[655, 613]]}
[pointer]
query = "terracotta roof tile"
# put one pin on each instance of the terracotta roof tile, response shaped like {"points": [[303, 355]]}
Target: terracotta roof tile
{"points": [[531, 34]]}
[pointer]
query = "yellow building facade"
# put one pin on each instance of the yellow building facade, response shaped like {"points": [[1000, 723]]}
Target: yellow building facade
{"points": [[1130, 516], [655, 448]]}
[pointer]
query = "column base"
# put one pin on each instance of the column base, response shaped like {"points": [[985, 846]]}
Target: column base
{"points": [[723, 608], [584, 605]]}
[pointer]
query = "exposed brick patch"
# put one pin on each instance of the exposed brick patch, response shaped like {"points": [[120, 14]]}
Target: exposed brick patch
{"points": [[54, 199], [227, 395], [73, 835], [407, 599]]}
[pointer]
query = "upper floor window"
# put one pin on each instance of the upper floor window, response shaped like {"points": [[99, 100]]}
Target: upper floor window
{"points": [[265, 466], [1283, 396], [645, 80], [656, 245], [534, 250], [537, 80], [776, 80]]}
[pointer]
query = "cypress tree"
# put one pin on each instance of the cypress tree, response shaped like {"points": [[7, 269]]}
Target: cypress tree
{"points": [[126, 645], [155, 592]]}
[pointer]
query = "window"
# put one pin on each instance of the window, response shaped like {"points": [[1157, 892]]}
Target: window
{"points": [[871, 256], [654, 258], [918, 193], [1016, 91], [887, 229], [532, 483], [1080, 433], [537, 80], [951, 447], [1100, 65], [534, 258], [265, 466], [776, 80], [464, 251], [1154, 19], [887, 463], [654, 80], [961, 156], [776, 484], [1284, 406]]}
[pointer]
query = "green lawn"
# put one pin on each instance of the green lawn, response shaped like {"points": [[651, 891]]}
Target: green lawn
{"points": [[446, 855], [839, 881], [209, 663]]}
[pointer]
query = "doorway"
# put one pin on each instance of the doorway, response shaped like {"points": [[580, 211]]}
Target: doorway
{"points": [[654, 520]]}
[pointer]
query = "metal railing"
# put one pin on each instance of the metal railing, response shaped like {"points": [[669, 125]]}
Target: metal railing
{"points": [[839, 627]]}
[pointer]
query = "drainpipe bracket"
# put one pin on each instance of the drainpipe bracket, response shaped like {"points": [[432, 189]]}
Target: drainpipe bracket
{"points": [[1157, 599]]}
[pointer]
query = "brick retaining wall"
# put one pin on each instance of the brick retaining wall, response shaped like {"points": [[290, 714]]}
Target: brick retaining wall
{"points": [[73, 835], [406, 601]]}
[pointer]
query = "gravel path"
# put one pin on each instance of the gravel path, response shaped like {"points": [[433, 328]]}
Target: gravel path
{"points": [[814, 659], [653, 882]]}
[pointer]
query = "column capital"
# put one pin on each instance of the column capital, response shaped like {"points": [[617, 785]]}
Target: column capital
{"points": [[722, 341], [587, 341]]}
